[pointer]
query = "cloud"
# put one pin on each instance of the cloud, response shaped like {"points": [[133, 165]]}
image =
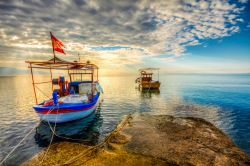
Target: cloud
{"points": [[243, 1], [148, 28]]}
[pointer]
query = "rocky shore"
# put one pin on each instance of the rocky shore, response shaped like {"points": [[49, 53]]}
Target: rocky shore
{"points": [[151, 140]]}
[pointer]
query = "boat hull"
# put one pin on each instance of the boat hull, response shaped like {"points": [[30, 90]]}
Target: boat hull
{"points": [[66, 117], [66, 112], [150, 85]]}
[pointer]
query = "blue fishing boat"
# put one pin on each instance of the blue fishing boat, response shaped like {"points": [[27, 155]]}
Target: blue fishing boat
{"points": [[73, 99]]}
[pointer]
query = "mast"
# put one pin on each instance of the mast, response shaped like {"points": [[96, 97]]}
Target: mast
{"points": [[53, 48], [51, 79]]}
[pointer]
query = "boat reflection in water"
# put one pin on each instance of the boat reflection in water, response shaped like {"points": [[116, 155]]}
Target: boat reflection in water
{"points": [[147, 93], [83, 131]]}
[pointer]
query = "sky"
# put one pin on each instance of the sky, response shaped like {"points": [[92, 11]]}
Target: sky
{"points": [[178, 36]]}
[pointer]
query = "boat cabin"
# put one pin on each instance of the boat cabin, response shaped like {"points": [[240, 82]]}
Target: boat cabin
{"points": [[147, 77], [146, 81], [81, 77]]}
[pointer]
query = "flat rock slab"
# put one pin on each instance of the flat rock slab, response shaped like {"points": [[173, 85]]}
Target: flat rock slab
{"points": [[182, 141], [151, 140]]}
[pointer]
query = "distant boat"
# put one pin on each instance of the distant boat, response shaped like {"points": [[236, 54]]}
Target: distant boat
{"points": [[73, 100], [145, 81]]}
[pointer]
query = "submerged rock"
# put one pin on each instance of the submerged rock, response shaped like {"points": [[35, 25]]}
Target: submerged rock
{"points": [[152, 140]]}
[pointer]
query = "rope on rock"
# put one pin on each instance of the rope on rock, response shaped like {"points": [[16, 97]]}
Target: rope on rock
{"points": [[67, 138], [52, 137], [106, 141]]}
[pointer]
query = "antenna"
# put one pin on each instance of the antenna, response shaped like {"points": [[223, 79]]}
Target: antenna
{"points": [[79, 57]]}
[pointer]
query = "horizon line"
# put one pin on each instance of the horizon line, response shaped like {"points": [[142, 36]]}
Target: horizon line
{"points": [[107, 75]]}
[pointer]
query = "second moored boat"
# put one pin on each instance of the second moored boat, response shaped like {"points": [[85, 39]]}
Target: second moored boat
{"points": [[145, 80]]}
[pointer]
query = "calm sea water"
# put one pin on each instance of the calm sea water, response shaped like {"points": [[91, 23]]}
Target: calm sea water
{"points": [[223, 100]]}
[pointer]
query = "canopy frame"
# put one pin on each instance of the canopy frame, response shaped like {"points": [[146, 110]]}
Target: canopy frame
{"points": [[150, 69], [59, 64]]}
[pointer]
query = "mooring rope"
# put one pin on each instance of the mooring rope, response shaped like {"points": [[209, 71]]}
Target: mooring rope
{"points": [[67, 138], [82, 154], [42, 92], [15, 147], [91, 149], [52, 137], [7, 156]]}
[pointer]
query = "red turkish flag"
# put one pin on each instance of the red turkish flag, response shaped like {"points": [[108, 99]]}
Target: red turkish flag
{"points": [[57, 44]]}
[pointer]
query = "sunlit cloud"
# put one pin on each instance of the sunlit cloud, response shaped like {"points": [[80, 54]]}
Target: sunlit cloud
{"points": [[119, 34]]}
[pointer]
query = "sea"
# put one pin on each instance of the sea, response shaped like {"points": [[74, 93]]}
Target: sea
{"points": [[222, 99]]}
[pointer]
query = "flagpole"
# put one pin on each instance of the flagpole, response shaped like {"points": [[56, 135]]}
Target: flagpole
{"points": [[53, 47]]}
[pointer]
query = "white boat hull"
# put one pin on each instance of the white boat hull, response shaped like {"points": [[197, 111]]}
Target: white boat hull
{"points": [[66, 117]]}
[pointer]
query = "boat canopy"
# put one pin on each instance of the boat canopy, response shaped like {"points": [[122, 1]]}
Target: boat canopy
{"points": [[148, 73], [144, 69], [57, 63], [75, 69]]}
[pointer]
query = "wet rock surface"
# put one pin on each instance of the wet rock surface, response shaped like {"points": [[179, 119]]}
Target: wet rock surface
{"points": [[182, 141], [152, 140]]}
